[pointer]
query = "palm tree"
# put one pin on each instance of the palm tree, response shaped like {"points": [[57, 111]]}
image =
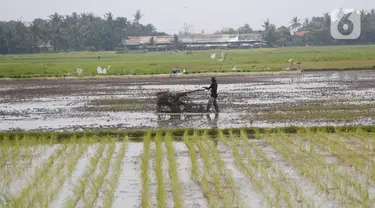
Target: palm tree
{"points": [[266, 24], [108, 16], [56, 21], [327, 20], [295, 24], [137, 16]]}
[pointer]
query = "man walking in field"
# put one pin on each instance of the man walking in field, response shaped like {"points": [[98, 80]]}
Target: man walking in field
{"points": [[212, 100]]}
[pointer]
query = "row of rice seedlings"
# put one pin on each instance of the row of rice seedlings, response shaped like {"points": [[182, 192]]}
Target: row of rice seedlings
{"points": [[234, 196], [172, 170], [361, 138], [360, 192], [9, 150], [349, 155], [213, 176], [158, 168], [80, 187], [14, 156], [305, 158], [193, 156], [52, 185], [282, 183], [366, 149], [259, 168], [144, 169], [248, 170], [113, 182], [11, 162], [23, 157], [296, 159], [98, 181], [41, 174], [198, 176]]}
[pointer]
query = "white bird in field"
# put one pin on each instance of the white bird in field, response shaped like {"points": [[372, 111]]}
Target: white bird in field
{"points": [[102, 71], [234, 68], [290, 60], [184, 71], [222, 57], [79, 71], [99, 70], [213, 56]]}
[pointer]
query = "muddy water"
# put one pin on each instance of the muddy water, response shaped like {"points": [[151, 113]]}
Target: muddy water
{"points": [[62, 104]]}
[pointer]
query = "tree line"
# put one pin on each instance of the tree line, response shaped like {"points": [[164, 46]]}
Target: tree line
{"points": [[314, 31], [77, 32], [74, 32]]}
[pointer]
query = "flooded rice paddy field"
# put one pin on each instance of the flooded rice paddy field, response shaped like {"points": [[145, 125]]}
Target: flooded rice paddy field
{"points": [[296, 171], [309, 98]]}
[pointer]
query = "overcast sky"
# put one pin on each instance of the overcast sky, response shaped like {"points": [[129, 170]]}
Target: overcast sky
{"points": [[170, 15]]}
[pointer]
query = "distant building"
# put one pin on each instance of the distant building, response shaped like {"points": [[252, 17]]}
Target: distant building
{"points": [[196, 41], [45, 47], [301, 33]]}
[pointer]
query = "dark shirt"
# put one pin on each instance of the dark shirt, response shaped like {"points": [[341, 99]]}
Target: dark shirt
{"points": [[213, 88]]}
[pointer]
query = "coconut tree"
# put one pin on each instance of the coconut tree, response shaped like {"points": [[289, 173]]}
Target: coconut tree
{"points": [[295, 24], [56, 21], [137, 16]]}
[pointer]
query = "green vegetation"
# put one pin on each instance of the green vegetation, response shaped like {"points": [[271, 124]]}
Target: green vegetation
{"points": [[178, 134], [317, 115], [252, 60], [336, 162]]}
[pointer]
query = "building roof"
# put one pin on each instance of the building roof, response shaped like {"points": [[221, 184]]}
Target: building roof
{"points": [[301, 33], [131, 42], [196, 39], [45, 45]]}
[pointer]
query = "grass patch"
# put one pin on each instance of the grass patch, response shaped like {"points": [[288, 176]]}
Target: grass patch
{"points": [[177, 134], [326, 107], [313, 114], [249, 60]]}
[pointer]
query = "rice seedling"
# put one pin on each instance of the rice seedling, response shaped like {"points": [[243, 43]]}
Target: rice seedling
{"points": [[172, 169], [97, 182], [280, 181], [158, 168], [62, 172], [113, 182], [193, 156], [144, 169], [331, 162], [337, 180], [80, 187], [248, 170], [42, 173], [233, 196], [203, 177], [347, 154], [360, 192]]}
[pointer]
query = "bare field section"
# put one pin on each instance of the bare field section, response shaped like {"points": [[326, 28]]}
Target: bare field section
{"points": [[197, 170], [307, 99]]}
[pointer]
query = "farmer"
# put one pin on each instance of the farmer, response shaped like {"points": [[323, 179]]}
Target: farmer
{"points": [[213, 97], [175, 70]]}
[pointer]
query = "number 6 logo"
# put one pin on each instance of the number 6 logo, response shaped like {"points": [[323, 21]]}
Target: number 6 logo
{"points": [[345, 24]]}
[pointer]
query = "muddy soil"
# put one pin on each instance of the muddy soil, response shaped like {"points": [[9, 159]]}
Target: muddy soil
{"points": [[65, 105]]}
